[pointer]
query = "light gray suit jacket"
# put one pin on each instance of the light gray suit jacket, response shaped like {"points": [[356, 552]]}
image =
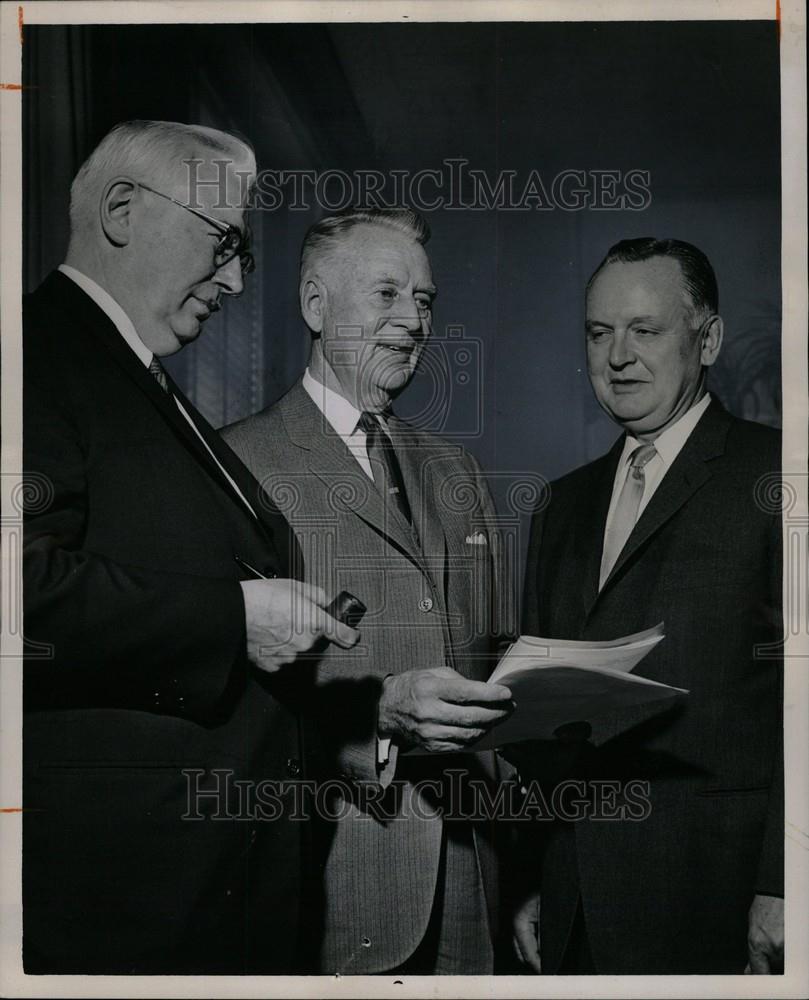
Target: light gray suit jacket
{"points": [[436, 596]]}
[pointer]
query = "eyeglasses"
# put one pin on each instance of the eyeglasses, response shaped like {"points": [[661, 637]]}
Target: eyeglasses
{"points": [[232, 243]]}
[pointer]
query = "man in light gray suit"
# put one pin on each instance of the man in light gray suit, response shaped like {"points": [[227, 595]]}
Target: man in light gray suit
{"points": [[403, 520]]}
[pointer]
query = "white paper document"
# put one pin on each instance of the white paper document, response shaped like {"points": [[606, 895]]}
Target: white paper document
{"points": [[558, 681]]}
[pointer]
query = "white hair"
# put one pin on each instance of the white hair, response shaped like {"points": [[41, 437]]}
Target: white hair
{"points": [[324, 239], [149, 151]]}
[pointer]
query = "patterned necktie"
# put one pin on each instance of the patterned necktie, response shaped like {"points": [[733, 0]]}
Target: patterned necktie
{"points": [[159, 373], [625, 513], [384, 464]]}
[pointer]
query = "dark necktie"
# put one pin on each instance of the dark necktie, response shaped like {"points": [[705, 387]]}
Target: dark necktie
{"points": [[159, 373], [157, 370], [384, 464]]}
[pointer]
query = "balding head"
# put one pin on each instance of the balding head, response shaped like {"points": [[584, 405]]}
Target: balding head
{"points": [[165, 155], [153, 212]]}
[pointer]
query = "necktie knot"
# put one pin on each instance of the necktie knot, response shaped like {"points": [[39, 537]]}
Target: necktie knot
{"points": [[368, 423], [158, 372], [640, 458]]}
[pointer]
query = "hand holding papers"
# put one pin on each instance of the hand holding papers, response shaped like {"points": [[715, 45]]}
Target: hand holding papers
{"points": [[558, 681]]}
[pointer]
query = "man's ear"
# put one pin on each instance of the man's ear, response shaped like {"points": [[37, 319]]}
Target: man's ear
{"points": [[712, 333], [313, 304], [116, 203]]}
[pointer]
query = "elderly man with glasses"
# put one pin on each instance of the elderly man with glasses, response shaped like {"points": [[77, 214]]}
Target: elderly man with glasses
{"points": [[150, 687]]}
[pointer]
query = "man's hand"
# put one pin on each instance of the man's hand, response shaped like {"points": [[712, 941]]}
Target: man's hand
{"points": [[285, 618], [765, 936], [525, 938], [438, 709]]}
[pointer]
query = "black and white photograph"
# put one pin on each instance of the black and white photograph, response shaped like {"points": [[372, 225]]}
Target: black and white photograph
{"points": [[404, 499]]}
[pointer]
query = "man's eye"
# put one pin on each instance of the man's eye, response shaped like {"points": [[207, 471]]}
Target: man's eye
{"points": [[229, 241], [597, 335], [388, 294], [424, 305]]}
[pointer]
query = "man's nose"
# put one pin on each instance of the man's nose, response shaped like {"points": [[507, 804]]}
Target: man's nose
{"points": [[621, 351], [229, 276], [407, 314]]}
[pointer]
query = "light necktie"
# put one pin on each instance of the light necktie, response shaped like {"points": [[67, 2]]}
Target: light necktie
{"points": [[159, 373], [625, 514], [384, 464]]}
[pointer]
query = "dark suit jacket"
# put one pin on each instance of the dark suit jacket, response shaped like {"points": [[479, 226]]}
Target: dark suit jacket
{"points": [[670, 893], [130, 581], [431, 602]]}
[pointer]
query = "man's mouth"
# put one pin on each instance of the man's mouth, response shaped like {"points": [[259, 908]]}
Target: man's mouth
{"points": [[404, 349], [209, 306], [626, 384]]}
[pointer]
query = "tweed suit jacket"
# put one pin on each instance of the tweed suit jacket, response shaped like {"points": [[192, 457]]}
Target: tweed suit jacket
{"points": [[432, 600], [669, 892]]}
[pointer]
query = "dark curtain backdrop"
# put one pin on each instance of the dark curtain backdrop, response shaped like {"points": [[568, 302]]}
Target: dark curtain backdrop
{"points": [[696, 104]]}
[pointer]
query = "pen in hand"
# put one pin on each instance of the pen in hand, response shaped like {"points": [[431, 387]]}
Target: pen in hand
{"points": [[250, 569], [345, 607]]}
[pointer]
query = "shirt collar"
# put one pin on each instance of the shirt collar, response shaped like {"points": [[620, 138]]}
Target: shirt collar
{"points": [[108, 305], [670, 443], [341, 415]]}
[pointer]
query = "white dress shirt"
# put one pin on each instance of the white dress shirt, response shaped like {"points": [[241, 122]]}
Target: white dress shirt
{"points": [[343, 418], [123, 324], [667, 447]]}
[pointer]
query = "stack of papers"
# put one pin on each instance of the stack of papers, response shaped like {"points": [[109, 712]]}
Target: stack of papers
{"points": [[555, 682]]}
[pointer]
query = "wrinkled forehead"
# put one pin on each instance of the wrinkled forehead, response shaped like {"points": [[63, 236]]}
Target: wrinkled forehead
{"points": [[371, 250], [655, 284]]}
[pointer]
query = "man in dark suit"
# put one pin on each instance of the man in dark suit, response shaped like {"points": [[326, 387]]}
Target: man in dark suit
{"points": [[149, 679], [404, 520], [671, 525]]}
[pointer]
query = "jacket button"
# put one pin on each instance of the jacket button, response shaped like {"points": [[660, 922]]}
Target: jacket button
{"points": [[426, 604], [366, 942], [293, 767]]}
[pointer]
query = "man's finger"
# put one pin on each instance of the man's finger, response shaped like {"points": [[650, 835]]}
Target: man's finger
{"points": [[317, 595], [469, 716], [759, 963], [525, 936], [270, 661], [338, 632], [446, 739], [449, 734], [461, 691]]}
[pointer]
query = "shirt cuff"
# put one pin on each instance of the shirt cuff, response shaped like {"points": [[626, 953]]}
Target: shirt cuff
{"points": [[382, 751]]}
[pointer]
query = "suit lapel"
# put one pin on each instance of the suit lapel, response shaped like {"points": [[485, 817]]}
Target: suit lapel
{"points": [[329, 460], [268, 519], [103, 330], [591, 518], [687, 475], [428, 519]]}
